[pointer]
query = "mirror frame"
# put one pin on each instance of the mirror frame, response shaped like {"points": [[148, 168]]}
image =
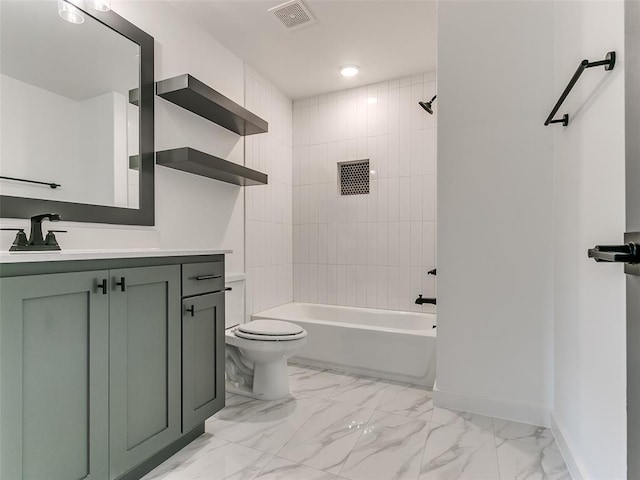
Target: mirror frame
{"points": [[19, 207]]}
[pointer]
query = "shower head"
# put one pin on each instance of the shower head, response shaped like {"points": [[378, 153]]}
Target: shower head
{"points": [[428, 106]]}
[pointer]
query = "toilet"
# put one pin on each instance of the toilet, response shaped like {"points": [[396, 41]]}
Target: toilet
{"points": [[256, 352]]}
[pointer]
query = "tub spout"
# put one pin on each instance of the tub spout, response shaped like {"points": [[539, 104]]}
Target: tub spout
{"points": [[420, 300]]}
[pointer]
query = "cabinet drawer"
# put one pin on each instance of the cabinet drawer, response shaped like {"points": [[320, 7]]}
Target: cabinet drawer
{"points": [[200, 278]]}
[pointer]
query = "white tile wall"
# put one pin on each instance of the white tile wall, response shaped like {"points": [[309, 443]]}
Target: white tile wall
{"points": [[365, 250], [268, 216]]}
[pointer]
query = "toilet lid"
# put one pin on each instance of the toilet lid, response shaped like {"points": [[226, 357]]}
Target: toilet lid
{"points": [[270, 330]]}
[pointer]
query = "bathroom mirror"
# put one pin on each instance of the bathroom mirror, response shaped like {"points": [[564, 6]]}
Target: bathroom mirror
{"points": [[76, 113]]}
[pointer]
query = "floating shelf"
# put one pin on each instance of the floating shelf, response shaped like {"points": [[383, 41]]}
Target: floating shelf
{"points": [[134, 162], [200, 163], [193, 95], [134, 97]]}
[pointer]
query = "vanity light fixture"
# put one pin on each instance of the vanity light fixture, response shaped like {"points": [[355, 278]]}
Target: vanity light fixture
{"points": [[349, 70], [69, 12]]}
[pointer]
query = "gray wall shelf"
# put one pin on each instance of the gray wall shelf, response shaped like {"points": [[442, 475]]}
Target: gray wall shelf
{"points": [[200, 163], [193, 95]]}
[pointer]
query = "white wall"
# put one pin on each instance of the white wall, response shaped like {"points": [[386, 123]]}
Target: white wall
{"points": [[133, 148], [191, 212], [589, 325], [27, 109], [78, 144], [269, 207], [100, 148], [495, 191], [121, 149], [371, 250]]}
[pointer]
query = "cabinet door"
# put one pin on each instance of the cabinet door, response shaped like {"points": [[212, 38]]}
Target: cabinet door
{"points": [[202, 358], [144, 364], [54, 337]]}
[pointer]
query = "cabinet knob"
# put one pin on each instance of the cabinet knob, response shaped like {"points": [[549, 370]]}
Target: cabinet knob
{"points": [[191, 310]]}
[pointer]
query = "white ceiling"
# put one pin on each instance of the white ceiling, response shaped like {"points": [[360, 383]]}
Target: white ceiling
{"points": [[387, 39]]}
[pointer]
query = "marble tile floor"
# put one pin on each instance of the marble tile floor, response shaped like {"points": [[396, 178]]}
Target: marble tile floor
{"points": [[336, 426]]}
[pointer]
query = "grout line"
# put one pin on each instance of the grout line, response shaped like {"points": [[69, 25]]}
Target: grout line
{"points": [[495, 443], [424, 449], [264, 466], [355, 444]]}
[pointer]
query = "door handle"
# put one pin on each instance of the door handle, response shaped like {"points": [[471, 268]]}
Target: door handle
{"points": [[627, 253], [191, 310]]}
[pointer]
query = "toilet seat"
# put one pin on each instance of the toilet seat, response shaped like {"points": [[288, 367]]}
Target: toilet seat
{"points": [[270, 330]]}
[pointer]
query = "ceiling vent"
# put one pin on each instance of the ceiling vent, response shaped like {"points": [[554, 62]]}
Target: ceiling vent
{"points": [[293, 15]]}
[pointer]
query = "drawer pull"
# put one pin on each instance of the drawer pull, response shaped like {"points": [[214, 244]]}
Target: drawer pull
{"points": [[208, 277], [191, 310]]}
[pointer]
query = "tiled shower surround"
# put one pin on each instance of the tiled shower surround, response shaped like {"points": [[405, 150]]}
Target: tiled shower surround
{"points": [[268, 207], [370, 250]]}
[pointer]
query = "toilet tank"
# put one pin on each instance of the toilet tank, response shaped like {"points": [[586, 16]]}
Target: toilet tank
{"points": [[234, 299]]}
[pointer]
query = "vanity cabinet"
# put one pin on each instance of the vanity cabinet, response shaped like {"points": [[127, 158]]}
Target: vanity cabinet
{"points": [[144, 366], [202, 352], [103, 372], [202, 341], [54, 371]]}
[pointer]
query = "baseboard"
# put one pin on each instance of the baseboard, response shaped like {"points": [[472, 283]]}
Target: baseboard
{"points": [[517, 412], [569, 460]]}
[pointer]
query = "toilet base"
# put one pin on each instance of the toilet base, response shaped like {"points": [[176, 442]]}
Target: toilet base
{"points": [[270, 382]]}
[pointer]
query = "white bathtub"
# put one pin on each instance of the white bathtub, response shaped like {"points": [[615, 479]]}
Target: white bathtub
{"points": [[398, 346]]}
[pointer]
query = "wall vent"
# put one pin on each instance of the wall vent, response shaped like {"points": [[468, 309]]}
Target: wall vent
{"points": [[293, 14], [354, 177]]}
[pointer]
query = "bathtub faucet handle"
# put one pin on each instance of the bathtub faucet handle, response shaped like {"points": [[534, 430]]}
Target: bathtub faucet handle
{"points": [[420, 300]]}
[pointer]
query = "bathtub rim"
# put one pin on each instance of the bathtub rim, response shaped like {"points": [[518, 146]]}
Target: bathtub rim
{"points": [[430, 332]]}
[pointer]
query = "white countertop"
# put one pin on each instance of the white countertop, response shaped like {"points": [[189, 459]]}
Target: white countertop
{"points": [[66, 255]]}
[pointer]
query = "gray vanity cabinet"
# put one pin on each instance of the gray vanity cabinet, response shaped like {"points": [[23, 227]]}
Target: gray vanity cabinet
{"points": [[144, 393], [54, 376], [202, 358], [103, 373]]}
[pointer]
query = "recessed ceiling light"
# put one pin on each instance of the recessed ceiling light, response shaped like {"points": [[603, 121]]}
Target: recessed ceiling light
{"points": [[349, 70]]}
